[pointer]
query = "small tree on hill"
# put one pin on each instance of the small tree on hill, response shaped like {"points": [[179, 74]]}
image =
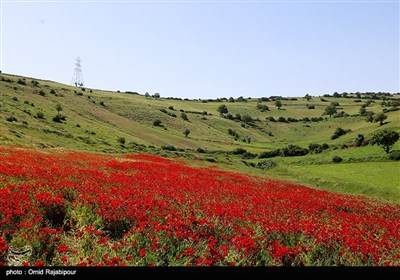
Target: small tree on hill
{"points": [[184, 116], [386, 139], [369, 116], [186, 132], [380, 118], [147, 94], [222, 109], [59, 108], [278, 104], [330, 110]]}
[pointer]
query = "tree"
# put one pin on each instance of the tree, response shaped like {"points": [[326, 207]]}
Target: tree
{"points": [[121, 140], [385, 138], [184, 116], [308, 97], [360, 140], [247, 119], [156, 95], [157, 123], [147, 94], [186, 132], [222, 109], [59, 108], [380, 118], [369, 116], [330, 110], [278, 104]]}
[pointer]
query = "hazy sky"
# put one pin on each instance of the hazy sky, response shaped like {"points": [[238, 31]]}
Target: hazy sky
{"points": [[207, 49]]}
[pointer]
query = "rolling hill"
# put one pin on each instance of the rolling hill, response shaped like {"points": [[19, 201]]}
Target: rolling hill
{"points": [[123, 122]]}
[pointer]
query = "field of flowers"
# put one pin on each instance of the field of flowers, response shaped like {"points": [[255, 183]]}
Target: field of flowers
{"points": [[68, 208]]}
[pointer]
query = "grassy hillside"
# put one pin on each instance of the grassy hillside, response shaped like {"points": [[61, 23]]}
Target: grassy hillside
{"points": [[95, 120]]}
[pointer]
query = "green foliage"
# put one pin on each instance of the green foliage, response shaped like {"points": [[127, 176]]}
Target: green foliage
{"points": [[266, 164], [337, 159], [339, 132], [121, 140], [239, 151], [186, 132], [247, 119], [330, 110], [293, 150], [395, 155], [168, 148], [270, 154], [157, 122], [380, 118], [222, 109], [385, 138], [360, 140], [184, 116]]}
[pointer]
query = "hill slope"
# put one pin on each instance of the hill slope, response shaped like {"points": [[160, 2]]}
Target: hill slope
{"points": [[95, 120]]}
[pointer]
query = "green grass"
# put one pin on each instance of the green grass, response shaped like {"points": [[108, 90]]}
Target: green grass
{"points": [[90, 126], [378, 179]]}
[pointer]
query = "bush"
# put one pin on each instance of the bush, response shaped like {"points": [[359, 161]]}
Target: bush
{"points": [[157, 123], [271, 119], [310, 106], [282, 119], [15, 98], [171, 108], [11, 119], [337, 159], [102, 103], [168, 148], [239, 151], [52, 91], [201, 150], [395, 155], [293, 150], [248, 155], [21, 82], [270, 154], [121, 140], [229, 116], [339, 132], [266, 164], [39, 115], [184, 116], [247, 119], [42, 93]]}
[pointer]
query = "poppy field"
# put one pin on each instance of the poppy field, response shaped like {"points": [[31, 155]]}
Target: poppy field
{"points": [[65, 208]]}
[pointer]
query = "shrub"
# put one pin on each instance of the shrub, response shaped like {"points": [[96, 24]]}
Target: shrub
{"points": [[239, 151], [339, 132], [248, 155], [229, 116], [39, 115], [337, 159], [293, 150], [201, 150], [168, 148], [157, 123], [271, 119], [42, 93], [171, 108], [184, 116], [102, 103], [186, 132], [15, 98], [266, 164], [282, 119], [395, 155], [21, 82], [310, 106], [247, 119], [52, 91], [121, 140], [11, 119], [270, 154]]}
